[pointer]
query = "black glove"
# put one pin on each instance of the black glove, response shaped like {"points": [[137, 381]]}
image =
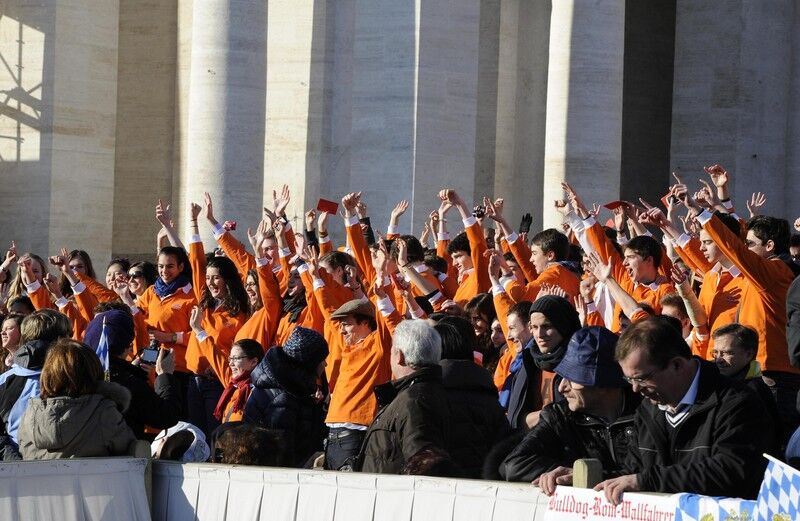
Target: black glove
{"points": [[525, 224]]}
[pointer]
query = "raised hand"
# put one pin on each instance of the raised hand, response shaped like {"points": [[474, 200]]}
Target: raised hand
{"points": [[654, 217], [196, 319], [797, 224], [280, 201], [493, 265], [194, 211], [209, 207], [120, 287], [551, 289], [444, 207], [25, 264], [562, 207], [757, 200], [350, 201], [595, 211], [402, 253], [719, 176], [619, 218], [322, 221], [164, 214], [712, 194], [361, 210], [600, 269], [379, 257], [311, 218], [52, 285], [398, 210], [681, 280], [580, 307], [575, 200], [525, 223]]}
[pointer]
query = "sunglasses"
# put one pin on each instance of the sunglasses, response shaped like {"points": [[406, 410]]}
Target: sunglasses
{"points": [[135, 275]]}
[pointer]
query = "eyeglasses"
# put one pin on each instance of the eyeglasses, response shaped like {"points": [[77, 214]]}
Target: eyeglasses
{"points": [[135, 275], [237, 358], [641, 380]]}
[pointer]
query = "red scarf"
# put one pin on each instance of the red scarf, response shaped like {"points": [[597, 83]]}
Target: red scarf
{"points": [[242, 383]]}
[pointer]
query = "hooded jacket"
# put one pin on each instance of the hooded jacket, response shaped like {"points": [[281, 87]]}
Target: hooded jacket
{"points": [[283, 398], [17, 386], [87, 426], [477, 421]]}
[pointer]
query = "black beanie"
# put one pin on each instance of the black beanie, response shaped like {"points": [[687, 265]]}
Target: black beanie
{"points": [[559, 312]]}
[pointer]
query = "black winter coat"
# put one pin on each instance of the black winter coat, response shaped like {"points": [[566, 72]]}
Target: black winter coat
{"points": [[526, 396], [283, 398], [160, 408], [477, 421], [716, 450], [413, 416], [563, 436]]}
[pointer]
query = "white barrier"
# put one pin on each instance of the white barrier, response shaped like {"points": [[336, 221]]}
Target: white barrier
{"points": [[91, 489], [205, 492]]}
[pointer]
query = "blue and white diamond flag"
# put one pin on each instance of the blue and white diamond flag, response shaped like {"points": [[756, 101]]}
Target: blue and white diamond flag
{"points": [[779, 497]]}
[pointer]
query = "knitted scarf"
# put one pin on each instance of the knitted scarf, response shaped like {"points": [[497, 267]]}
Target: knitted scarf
{"points": [[242, 382], [165, 289]]}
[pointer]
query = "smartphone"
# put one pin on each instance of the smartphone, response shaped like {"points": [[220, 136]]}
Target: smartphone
{"points": [[150, 355]]}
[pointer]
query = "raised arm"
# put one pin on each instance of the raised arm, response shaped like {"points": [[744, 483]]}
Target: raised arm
{"points": [[197, 255], [164, 216]]}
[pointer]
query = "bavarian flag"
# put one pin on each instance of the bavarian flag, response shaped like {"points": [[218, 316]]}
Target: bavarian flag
{"points": [[779, 497]]}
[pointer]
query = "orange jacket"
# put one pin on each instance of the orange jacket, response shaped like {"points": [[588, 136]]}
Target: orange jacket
{"points": [[477, 280], [649, 293], [554, 274], [502, 304], [100, 292], [363, 366], [170, 314], [263, 324], [762, 304], [522, 254]]}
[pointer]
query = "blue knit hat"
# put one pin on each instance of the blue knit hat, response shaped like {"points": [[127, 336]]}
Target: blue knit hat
{"points": [[589, 359], [305, 347], [119, 328]]}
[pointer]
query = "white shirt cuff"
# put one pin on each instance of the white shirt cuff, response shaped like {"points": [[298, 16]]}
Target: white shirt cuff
{"points": [[575, 223], [261, 262], [201, 336], [61, 302], [683, 240], [704, 217], [589, 221], [302, 268], [323, 240], [443, 236], [194, 238], [727, 204], [78, 288], [391, 229], [591, 307], [417, 312], [284, 252], [469, 221], [318, 283], [385, 306], [135, 310], [436, 298], [179, 338], [218, 231], [351, 221], [276, 268], [33, 287], [512, 237], [497, 290], [507, 279]]}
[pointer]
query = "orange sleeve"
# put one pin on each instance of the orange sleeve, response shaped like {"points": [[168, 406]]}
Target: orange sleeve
{"points": [[76, 319], [761, 273], [692, 250], [282, 276], [41, 298], [504, 245], [217, 359], [602, 245], [503, 368], [516, 291], [360, 251], [477, 246], [449, 286], [85, 301], [522, 254], [141, 338], [502, 303], [288, 235], [594, 318], [268, 290], [325, 247], [639, 315], [441, 251], [100, 292], [197, 260], [236, 252]]}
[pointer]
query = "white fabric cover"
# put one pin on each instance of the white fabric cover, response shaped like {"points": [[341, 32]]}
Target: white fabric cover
{"points": [[90, 489], [220, 492]]}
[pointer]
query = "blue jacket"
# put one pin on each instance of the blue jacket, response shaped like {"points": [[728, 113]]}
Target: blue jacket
{"points": [[17, 386]]}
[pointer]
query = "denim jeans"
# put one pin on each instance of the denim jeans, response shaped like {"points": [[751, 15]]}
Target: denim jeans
{"points": [[202, 397], [342, 447]]}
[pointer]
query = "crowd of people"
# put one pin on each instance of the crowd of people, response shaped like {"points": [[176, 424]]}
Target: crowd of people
{"points": [[663, 342]]}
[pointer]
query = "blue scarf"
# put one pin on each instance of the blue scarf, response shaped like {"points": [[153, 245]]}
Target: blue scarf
{"points": [[164, 289], [516, 364]]}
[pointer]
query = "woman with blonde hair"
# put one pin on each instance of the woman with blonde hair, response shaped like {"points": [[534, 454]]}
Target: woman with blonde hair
{"points": [[78, 414]]}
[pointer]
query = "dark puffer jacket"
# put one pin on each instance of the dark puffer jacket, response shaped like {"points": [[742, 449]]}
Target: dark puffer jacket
{"points": [[160, 409], [477, 421], [283, 398], [715, 451], [563, 436]]}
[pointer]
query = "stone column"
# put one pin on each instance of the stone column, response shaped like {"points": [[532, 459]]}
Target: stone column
{"points": [[58, 89], [226, 113], [584, 101]]}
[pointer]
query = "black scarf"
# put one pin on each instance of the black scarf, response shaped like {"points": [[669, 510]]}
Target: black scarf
{"points": [[548, 361], [294, 305]]}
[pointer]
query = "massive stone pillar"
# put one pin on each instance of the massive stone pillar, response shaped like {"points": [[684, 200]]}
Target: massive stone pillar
{"points": [[521, 102], [584, 101], [145, 122], [224, 142], [58, 87], [732, 103]]}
